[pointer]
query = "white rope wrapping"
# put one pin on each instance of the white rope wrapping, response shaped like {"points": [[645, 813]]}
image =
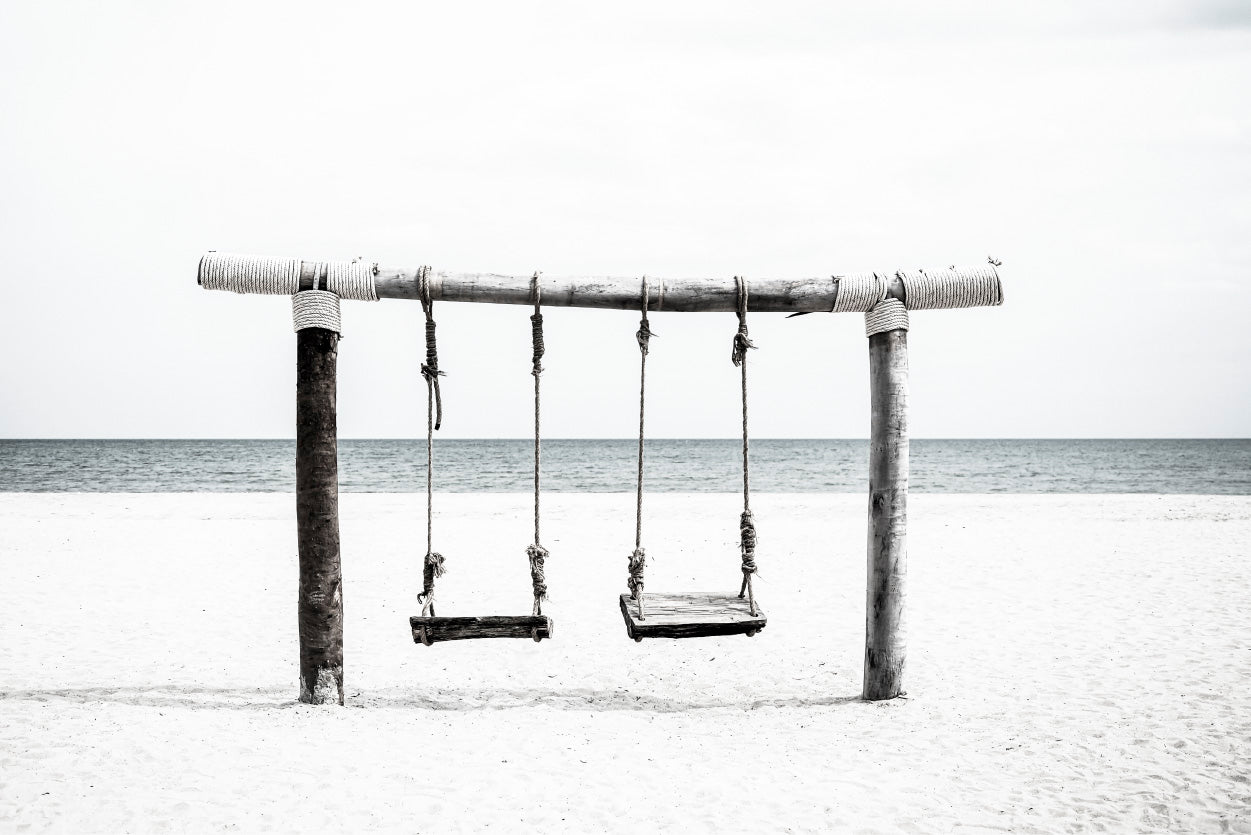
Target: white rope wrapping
{"points": [[352, 280], [858, 292], [281, 276], [250, 274], [316, 309], [946, 289], [887, 315]]}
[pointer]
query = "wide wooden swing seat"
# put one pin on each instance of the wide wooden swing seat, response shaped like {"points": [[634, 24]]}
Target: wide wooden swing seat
{"points": [[432, 630], [694, 615]]}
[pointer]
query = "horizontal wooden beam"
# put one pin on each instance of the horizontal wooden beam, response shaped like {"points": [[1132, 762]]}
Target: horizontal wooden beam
{"points": [[795, 295], [249, 274]]}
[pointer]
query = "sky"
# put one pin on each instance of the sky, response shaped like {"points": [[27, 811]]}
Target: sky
{"points": [[1101, 151]]}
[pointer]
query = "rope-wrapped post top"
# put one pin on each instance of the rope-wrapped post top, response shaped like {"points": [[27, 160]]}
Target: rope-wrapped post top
{"points": [[317, 307], [922, 290], [355, 279]]}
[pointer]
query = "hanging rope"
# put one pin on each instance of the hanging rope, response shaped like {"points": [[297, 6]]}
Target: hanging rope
{"points": [[430, 369], [432, 566], [747, 523], [536, 552], [638, 559]]}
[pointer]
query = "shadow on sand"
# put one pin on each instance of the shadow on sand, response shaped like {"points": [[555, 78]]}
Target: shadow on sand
{"points": [[262, 699]]}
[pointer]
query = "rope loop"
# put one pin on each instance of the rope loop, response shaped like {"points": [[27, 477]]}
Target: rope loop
{"points": [[742, 342], [644, 334], [430, 368]]}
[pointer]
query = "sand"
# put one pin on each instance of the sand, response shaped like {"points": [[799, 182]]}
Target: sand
{"points": [[1076, 663]]}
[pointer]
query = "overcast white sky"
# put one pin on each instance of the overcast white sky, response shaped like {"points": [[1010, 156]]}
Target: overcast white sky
{"points": [[1102, 151]]}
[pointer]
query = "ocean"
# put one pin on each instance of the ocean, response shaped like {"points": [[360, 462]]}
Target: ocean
{"points": [[686, 466]]}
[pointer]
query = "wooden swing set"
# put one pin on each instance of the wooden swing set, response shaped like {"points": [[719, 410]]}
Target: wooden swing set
{"points": [[316, 289]]}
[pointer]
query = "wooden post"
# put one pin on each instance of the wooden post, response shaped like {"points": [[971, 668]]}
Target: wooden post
{"points": [[317, 517], [884, 640]]}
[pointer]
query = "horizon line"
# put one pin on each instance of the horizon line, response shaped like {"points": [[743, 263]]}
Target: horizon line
{"points": [[632, 439]]}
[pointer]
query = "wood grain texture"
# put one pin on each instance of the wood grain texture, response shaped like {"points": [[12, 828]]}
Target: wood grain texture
{"points": [[693, 615], [885, 637], [800, 295], [439, 629], [320, 607], [718, 294]]}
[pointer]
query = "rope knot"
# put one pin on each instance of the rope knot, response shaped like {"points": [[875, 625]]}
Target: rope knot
{"points": [[538, 555], [433, 568], [644, 335], [536, 337], [638, 561], [738, 354], [741, 343], [430, 368], [747, 541]]}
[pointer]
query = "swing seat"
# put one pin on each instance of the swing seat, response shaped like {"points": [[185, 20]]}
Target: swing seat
{"points": [[690, 616], [431, 630]]}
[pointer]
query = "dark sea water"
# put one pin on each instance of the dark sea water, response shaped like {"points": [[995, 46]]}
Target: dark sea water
{"points": [[778, 466]]}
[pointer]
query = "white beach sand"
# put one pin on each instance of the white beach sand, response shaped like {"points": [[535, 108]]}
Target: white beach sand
{"points": [[1076, 663]]}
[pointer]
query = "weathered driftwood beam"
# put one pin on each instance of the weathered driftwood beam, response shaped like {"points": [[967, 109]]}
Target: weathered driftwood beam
{"points": [[320, 607], [884, 641], [800, 295]]}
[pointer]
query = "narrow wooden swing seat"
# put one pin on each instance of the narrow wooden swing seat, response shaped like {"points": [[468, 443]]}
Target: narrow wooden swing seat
{"points": [[695, 615], [428, 628], [432, 630]]}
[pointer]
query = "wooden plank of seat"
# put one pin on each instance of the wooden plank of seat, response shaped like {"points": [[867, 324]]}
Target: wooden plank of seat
{"points": [[689, 616], [492, 626]]}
